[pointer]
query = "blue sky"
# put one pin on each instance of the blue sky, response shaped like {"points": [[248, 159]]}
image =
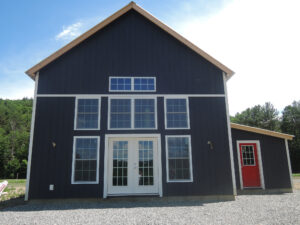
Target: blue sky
{"points": [[226, 29]]}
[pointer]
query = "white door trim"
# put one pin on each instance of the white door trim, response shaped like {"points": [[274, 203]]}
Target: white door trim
{"points": [[159, 163], [261, 172]]}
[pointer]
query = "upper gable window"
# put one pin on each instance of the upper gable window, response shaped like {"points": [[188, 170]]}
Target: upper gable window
{"points": [[87, 114], [131, 84]]}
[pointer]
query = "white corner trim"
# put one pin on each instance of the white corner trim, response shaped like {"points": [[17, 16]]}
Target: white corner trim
{"points": [[229, 136], [289, 161], [187, 112], [76, 111], [31, 136], [260, 163], [73, 160], [190, 159]]}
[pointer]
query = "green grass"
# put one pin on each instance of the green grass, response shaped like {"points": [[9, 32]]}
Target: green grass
{"points": [[15, 189], [296, 174]]}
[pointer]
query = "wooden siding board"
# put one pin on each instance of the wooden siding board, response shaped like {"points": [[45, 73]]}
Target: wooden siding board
{"points": [[274, 159], [130, 46]]}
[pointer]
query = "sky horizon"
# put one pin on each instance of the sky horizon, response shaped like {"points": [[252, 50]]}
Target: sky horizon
{"points": [[256, 39]]}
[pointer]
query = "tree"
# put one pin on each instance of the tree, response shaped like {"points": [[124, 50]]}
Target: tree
{"points": [[265, 117], [291, 124]]}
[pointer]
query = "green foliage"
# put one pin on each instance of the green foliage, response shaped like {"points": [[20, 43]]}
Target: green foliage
{"points": [[15, 116]]}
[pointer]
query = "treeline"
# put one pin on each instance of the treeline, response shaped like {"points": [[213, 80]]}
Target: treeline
{"points": [[267, 117], [15, 117]]}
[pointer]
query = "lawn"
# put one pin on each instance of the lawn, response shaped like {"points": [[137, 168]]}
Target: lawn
{"points": [[296, 175], [15, 189]]}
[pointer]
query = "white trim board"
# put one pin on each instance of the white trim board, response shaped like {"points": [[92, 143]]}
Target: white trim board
{"points": [[132, 95], [31, 137], [105, 170], [190, 159], [261, 171], [289, 161], [73, 160]]}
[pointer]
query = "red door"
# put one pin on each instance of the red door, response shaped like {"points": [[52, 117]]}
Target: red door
{"points": [[249, 164]]}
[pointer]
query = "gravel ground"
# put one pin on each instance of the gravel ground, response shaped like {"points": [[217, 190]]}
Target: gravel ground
{"points": [[247, 209]]}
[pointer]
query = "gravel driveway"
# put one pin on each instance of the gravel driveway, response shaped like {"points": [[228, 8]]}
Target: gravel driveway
{"points": [[247, 209]]}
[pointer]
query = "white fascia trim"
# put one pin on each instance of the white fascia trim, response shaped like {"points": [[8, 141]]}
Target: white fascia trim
{"points": [[31, 136], [187, 111], [261, 171], [73, 160], [137, 94], [76, 110], [289, 161], [229, 136], [132, 98], [132, 85], [190, 159]]}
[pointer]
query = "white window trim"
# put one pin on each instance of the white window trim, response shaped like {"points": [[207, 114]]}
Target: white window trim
{"points": [[73, 161], [190, 159], [132, 85], [187, 111], [132, 98], [76, 110], [260, 165]]}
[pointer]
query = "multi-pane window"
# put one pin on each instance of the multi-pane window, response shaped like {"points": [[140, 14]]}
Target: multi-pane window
{"points": [[176, 113], [87, 114], [179, 158], [128, 84], [132, 113], [85, 160], [120, 113], [248, 155], [144, 115], [145, 163], [120, 163]]}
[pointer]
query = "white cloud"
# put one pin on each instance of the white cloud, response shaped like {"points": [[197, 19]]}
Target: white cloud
{"points": [[259, 40], [70, 32]]}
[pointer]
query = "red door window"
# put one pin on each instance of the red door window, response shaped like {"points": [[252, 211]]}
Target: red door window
{"points": [[249, 164]]}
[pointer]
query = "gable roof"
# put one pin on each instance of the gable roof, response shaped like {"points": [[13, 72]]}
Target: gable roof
{"points": [[132, 5], [262, 131]]}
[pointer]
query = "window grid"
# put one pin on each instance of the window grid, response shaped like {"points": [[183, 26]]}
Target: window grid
{"points": [[146, 163], [144, 84], [179, 158], [120, 163], [120, 113], [248, 155], [144, 113], [132, 84], [85, 160], [176, 113], [87, 114]]}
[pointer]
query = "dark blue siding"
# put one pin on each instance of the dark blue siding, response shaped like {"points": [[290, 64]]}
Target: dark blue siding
{"points": [[55, 122], [130, 46], [274, 159]]}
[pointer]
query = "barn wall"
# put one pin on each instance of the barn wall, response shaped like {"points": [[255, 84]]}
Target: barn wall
{"points": [[274, 159], [211, 168]]}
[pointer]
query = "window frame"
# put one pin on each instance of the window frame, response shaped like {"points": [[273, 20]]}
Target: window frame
{"points": [[132, 115], [132, 84], [76, 112], [74, 159], [190, 159], [187, 112]]}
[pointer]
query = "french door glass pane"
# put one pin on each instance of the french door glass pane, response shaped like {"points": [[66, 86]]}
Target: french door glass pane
{"points": [[146, 163], [120, 163]]}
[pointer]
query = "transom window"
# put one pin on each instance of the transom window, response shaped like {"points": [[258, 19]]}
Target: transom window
{"points": [[85, 160], [87, 114], [176, 113], [179, 165], [248, 155], [138, 113], [128, 84]]}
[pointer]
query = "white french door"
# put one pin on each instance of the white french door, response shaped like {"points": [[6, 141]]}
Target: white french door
{"points": [[132, 166]]}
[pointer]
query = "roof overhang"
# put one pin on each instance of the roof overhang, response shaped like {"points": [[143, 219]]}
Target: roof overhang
{"points": [[132, 5], [262, 131]]}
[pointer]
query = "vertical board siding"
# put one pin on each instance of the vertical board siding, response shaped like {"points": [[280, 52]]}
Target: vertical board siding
{"points": [[130, 46], [274, 159], [55, 122]]}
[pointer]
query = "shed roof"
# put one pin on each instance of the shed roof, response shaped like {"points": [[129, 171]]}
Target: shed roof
{"points": [[262, 131], [132, 5]]}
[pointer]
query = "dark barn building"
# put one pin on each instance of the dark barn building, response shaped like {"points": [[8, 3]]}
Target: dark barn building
{"points": [[132, 108]]}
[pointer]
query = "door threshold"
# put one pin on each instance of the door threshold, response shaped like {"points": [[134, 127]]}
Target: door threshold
{"points": [[133, 195]]}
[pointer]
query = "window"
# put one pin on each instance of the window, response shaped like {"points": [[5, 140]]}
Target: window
{"points": [[87, 114], [179, 162], [85, 160], [248, 155], [128, 84], [176, 113], [120, 163], [134, 113]]}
